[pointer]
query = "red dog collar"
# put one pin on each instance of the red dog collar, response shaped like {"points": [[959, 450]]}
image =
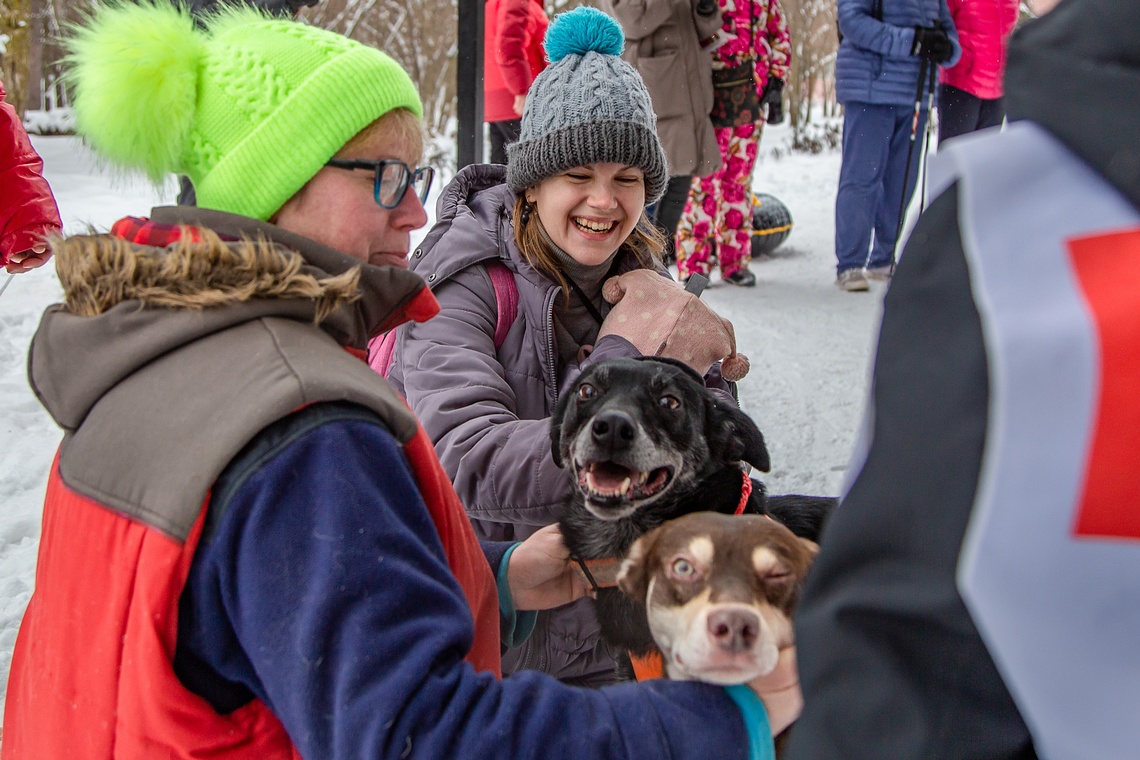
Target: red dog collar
{"points": [[745, 492]]}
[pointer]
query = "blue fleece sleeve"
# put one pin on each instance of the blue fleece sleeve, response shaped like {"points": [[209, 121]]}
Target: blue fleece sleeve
{"points": [[324, 591]]}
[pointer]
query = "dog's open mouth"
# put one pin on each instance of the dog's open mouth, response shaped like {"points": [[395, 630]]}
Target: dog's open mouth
{"points": [[609, 483]]}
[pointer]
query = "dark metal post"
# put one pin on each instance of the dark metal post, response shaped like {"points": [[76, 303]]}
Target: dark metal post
{"points": [[469, 83]]}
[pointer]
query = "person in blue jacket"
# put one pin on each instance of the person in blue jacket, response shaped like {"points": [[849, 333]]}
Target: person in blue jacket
{"points": [[886, 45]]}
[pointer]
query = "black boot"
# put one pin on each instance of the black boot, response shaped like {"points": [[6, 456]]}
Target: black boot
{"points": [[742, 277]]}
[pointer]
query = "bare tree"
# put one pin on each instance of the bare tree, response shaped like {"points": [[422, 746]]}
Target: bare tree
{"points": [[419, 34], [813, 28], [15, 32]]}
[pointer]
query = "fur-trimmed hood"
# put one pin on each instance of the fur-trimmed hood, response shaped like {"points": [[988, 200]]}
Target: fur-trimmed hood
{"points": [[126, 304], [98, 272]]}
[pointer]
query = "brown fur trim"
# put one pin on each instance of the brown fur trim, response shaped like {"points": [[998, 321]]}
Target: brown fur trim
{"points": [[99, 271]]}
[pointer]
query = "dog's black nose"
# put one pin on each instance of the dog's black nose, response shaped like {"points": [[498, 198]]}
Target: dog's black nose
{"points": [[734, 630], [613, 430]]}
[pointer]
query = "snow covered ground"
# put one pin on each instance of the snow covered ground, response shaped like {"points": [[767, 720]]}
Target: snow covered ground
{"points": [[808, 342]]}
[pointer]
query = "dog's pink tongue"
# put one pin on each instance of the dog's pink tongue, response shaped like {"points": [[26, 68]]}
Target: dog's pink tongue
{"points": [[609, 478]]}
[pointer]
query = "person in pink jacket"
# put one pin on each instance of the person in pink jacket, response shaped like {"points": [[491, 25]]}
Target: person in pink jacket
{"points": [[512, 58], [28, 212], [972, 90]]}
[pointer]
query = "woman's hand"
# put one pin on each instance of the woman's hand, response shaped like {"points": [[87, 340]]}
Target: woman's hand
{"points": [[780, 691], [540, 572], [30, 259]]}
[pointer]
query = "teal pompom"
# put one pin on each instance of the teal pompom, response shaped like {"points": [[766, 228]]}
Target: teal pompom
{"points": [[580, 31]]}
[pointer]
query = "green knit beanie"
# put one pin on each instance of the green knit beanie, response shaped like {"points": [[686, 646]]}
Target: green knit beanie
{"points": [[250, 108]]}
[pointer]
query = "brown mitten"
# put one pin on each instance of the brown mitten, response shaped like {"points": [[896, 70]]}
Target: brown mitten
{"points": [[660, 318]]}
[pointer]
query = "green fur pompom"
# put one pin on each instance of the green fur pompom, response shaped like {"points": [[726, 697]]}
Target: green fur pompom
{"points": [[133, 70]]}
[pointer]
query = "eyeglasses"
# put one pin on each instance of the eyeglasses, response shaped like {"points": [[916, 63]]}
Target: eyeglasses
{"points": [[393, 178]]}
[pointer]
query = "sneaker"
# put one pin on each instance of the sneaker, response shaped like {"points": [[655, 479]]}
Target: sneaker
{"points": [[880, 274], [742, 277], [852, 280]]}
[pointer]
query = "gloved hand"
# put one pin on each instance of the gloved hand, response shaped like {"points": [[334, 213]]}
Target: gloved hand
{"points": [[932, 43], [660, 318], [774, 97], [24, 261]]}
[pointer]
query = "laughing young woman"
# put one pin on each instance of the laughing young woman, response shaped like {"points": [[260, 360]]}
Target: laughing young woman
{"points": [[565, 213]]}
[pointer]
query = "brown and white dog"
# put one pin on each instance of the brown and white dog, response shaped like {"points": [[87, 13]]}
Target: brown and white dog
{"points": [[718, 591]]}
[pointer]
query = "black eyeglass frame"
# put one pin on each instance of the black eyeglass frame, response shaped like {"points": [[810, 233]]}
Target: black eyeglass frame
{"points": [[410, 177]]}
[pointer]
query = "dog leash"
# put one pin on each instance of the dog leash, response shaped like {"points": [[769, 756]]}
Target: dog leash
{"points": [[607, 568]]}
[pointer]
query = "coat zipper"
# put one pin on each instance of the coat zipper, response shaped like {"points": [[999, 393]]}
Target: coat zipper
{"points": [[550, 340]]}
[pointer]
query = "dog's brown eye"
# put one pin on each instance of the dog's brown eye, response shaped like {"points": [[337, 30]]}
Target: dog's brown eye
{"points": [[585, 390], [683, 568], [669, 402]]}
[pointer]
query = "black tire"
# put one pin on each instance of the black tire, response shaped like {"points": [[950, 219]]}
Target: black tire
{"points": [[771, 223]]}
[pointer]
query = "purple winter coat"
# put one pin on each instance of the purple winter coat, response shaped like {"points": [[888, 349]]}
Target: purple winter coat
{"points": [[488, 415]]}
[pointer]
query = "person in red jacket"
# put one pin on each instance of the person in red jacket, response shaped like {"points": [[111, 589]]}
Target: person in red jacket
{"points": [[249, 548], [972, 89], [28, 212], [512, 58]]}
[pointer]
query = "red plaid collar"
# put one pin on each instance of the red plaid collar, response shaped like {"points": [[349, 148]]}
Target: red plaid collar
{"points": [[137, 229]]}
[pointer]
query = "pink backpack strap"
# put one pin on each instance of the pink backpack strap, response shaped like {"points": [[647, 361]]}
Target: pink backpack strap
{"points": [[382, 348], [506, 298], [381, 352]]}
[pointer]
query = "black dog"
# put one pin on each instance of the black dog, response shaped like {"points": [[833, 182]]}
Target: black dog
{"points": [[646, 442]]}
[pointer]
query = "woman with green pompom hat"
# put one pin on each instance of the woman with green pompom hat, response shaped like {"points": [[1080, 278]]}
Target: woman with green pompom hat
{"points": [[517, 261], [249, 547]]}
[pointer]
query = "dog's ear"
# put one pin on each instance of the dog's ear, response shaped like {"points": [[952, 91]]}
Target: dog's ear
{"points": [[812, 546], [733, 436], [633, 577], [556, 427]]}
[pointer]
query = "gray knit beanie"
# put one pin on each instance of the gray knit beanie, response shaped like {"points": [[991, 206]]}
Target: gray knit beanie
{"points": [[588, 106]]}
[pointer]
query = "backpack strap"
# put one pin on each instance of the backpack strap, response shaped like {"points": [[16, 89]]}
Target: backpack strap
{"points": [[506, 297], [381, 352], [382, 348]]}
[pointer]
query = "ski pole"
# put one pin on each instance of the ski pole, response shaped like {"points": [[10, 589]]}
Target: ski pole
{"points": [[7, 282], [929, 129], [922, 76]]}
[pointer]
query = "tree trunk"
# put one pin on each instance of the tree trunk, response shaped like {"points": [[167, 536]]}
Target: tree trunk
{"points": [[14, 23], [37, 14]]}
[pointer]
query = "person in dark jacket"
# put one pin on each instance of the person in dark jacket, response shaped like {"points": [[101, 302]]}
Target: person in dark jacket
{"points": [[249, 548], [512, 58], [565, 213], [975, 594], [886, 45], [28, 213]]}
